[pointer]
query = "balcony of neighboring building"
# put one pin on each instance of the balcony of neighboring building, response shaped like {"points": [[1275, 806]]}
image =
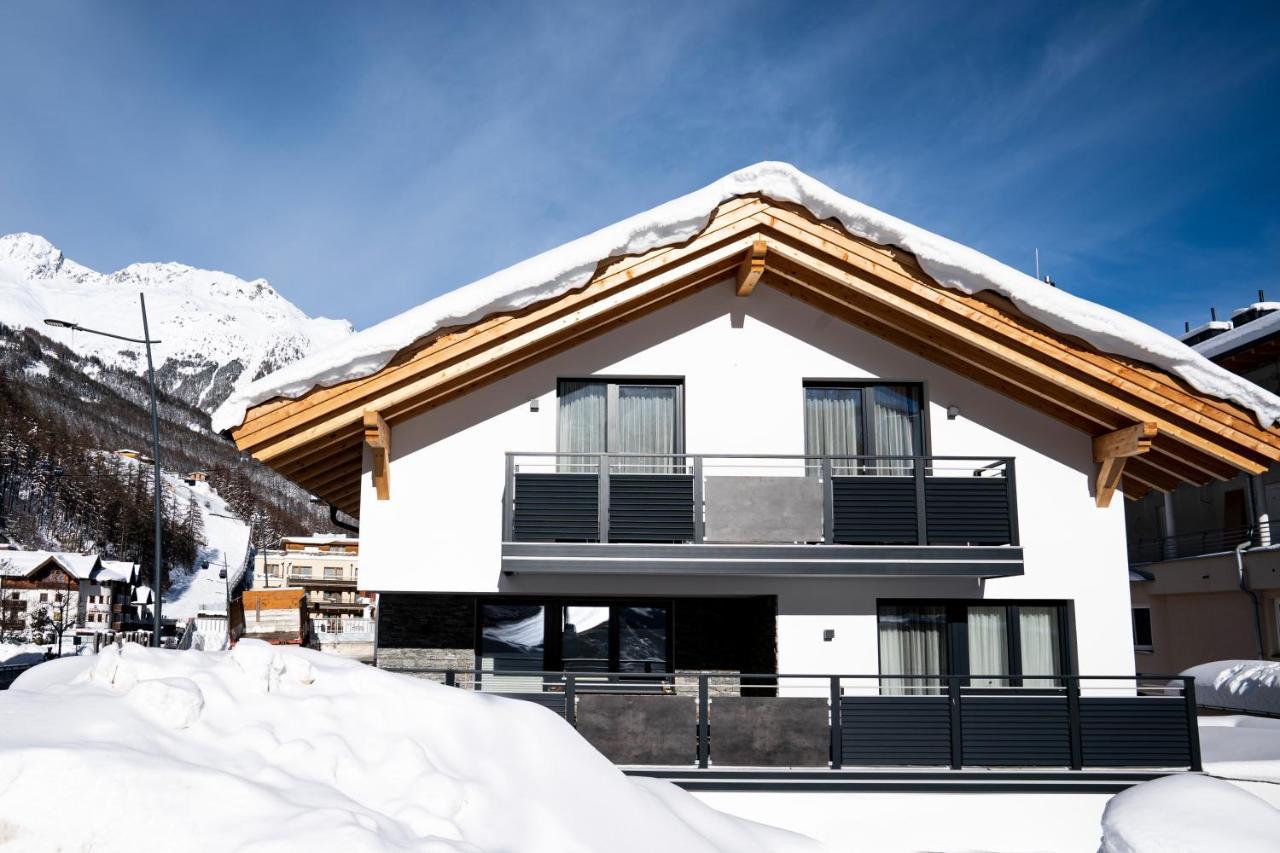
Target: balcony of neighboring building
{"points": [[760, 514]]}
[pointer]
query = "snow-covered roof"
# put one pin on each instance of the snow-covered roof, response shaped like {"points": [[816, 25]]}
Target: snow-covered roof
{"points": [[23, 562], [116, 570], [571, 265], [1240, 685], [322, 539], [1242, 335], [79, 566]]}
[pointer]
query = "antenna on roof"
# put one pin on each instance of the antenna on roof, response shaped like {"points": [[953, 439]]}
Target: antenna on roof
{"points": [[1186, 326], [1213, 313], [1049, 281], [1037, 263], [1262, 297]]}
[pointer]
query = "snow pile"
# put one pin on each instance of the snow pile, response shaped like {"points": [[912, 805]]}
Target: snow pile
{"points": [[1239, 685], [1189, 814], [571, 265], [282, 749], [1241, 747], [216, 331]]}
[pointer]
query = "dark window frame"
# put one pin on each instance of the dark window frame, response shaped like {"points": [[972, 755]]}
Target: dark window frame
{"points": [[1133, 621], [866, 426], [612, 384], [553, 624], [956, 636]]}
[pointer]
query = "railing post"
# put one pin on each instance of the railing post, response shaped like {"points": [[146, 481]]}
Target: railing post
{"points": [[704, 708], [602, 509], [957, 734], [1072, 683], [699, 517], [571, 700], [1011, 485], [508, 501], [1193, 725], [837, 726], [922, 521], [828, 501]]}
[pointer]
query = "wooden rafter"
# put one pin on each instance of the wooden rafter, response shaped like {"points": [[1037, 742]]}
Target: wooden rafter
{"points": [[754, 240], [1112, 450], [752, 268], [377, 436]]}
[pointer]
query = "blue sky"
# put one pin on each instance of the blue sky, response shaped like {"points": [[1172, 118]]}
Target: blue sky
{"points": [[364, 157]]}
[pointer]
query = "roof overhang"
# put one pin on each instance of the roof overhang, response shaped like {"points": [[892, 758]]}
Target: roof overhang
{"points": [[317, 440]]}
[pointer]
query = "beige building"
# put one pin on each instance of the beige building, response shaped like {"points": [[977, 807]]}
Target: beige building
{"points": [[1192, 600], [326, 566]]}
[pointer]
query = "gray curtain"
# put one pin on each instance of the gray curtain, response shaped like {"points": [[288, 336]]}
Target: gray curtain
{"points": [[832, 422], [894, 413], [988, 645], [1038, 635], [911, 643], [581, 424], [647, 425]]}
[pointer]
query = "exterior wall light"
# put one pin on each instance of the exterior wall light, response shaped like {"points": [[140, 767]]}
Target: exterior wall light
{"points": [[953, 412]]}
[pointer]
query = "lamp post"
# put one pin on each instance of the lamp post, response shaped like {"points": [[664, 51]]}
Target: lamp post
{"points": [[155, 440]]}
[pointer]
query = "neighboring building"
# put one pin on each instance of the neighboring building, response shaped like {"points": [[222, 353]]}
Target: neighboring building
{"points": [[193, 477], [1191, 603], [326, 566], [81, 592], [766, 443], [134, 454]]}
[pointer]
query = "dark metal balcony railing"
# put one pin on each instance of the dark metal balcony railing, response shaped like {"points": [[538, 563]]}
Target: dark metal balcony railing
{"points": [[1200, 542], [725, 720], [765, 499]]}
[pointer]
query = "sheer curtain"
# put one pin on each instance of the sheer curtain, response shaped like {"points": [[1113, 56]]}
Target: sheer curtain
{"points": [[988, 645], [895, 412], [647, 425], [1038, 633], [911, 643], [832, 423], [581, 425]]}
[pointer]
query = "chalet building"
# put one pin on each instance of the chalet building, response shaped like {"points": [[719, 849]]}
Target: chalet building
{"points": [[83, 593], [1194, 600], [653, 477], [193, 477]]}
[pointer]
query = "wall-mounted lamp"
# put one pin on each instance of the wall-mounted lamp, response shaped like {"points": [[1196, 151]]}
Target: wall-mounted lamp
{"points": [[828, 634], [953, 412], [533, 404]]}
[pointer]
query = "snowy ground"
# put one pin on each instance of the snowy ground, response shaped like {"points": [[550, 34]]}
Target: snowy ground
{"points": [[283, 749], [228, 542]]}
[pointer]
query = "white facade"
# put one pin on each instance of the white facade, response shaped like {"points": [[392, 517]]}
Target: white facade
{"points": [[743, 361]]}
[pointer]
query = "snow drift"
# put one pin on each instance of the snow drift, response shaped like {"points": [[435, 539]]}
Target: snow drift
{"points": [[1238, 685], [1189, 814], [571, 265], [266, 748]]}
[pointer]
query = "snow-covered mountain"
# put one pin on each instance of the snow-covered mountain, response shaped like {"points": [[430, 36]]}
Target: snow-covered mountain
{"points": [[216, 331]]}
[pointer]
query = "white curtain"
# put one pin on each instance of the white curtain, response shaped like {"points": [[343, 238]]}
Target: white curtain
{"points": [[911, 643], [833, 419], [988, 646], [895, 410], [1038, 633], [581, 425], [647, 425]]}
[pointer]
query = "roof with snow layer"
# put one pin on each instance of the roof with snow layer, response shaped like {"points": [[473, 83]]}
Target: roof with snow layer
{"points": [[1088, 365], [23, 563]]}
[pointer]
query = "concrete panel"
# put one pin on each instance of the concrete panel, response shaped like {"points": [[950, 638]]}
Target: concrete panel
{"points": [[766, 732], [640, 729], [763, 509]]}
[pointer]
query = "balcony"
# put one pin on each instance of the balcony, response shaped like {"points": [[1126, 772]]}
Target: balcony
{"points": [[761, 515]]}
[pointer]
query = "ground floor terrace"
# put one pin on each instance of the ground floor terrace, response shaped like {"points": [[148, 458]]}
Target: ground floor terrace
{"points": [[714, 692]]}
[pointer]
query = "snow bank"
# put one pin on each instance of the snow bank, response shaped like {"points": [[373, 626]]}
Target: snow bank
{"points": [[571, 265], [1189, 814], [283, 749], [1239, 685], [1241, 747]]}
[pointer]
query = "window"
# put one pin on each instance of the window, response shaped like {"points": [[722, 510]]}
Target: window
{"points": [[512, 636], [44, 596], [333, 573], [864, 419], [575, 636], [994, 645], [633, 417], [1142, 629]]}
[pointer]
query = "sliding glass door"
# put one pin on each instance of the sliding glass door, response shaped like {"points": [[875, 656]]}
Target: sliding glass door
{"points": [[640, 417], [864, 419]]}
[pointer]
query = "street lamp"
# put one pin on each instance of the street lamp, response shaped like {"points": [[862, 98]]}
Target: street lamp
{"points": [[155, 438]]}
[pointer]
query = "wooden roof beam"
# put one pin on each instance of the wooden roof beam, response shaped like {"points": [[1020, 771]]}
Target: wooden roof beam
{"points": [[377, 437], [752, 268], [1111, 450]]}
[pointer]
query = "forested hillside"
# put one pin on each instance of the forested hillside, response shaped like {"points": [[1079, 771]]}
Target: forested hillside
{"points": [[62, 416]]}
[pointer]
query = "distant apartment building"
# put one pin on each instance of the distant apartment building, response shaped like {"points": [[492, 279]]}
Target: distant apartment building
{"points": [[1193, 600], [326, 566]]}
